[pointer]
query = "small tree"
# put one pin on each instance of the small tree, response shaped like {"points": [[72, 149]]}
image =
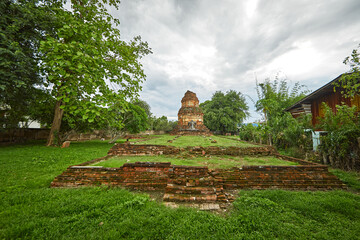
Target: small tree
{"points": [[84, 57], [274, 97], [133, 117], [350, 82], [162, 124]]}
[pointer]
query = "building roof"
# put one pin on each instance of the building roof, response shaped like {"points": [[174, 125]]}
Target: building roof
{"points": [[326, 89]]}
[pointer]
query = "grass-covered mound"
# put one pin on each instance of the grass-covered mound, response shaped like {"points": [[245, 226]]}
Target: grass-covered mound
{"points": [[29, 209], [211, 162], [184, 141]]}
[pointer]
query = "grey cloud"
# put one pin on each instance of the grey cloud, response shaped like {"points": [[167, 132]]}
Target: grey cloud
{"points": [[243, 46]]}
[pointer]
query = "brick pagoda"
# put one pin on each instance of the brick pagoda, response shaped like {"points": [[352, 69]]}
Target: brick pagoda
{"points": [[190, 117]]}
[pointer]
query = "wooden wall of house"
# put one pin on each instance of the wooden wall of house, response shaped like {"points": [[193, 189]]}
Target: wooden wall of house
{"points": [[331, 99]]}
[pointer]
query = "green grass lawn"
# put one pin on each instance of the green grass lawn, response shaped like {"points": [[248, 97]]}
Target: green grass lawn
{"points": [[350, 178], [211, 162], [184, 141], [29, 209]]}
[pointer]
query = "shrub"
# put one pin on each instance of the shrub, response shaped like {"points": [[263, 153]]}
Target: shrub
{"points": [[340, 147]]}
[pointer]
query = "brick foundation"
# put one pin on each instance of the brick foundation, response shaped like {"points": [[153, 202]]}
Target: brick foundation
{"points": [[133, 150], [138, 176], [307, 177], [199, 184], [196, 185], [232, 151]]}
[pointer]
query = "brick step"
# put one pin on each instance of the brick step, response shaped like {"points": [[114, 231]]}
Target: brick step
{"points": [[225, 197], [290, 188], [201, 206], [190, 170], [284, 186], [145, 180], [112, 178], [132, 185], [143, 184], [269, 182], [276, 177], [281, 182], [177, 189], [197, 198], [208, 181], [140, 175], [189, 174]]}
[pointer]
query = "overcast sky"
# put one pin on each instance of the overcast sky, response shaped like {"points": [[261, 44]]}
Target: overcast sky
{"points": [[215, 45]]}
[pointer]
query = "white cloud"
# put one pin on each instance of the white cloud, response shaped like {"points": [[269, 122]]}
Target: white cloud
{"points": [[208, 45]]}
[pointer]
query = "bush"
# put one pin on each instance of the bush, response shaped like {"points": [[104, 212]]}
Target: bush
{"points": [[282, 131], [340, 147]]}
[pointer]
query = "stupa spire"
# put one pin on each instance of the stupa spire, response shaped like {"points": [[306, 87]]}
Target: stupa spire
{"points": [[190, 117]]}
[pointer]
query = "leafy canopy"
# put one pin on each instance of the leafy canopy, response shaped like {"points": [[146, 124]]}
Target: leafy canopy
{"points": [[86, 55], [279, 128], [162, 124], [274, 96], [22, 27], [341, 143], [350, 82], [224, 112], [88, 68]]}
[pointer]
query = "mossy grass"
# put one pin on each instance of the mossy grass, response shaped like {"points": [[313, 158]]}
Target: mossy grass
{"points": [[29, 209], [204, 141], [212, 162], [350, 178]]}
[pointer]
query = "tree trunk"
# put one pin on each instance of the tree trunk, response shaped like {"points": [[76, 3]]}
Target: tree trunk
{"points": [[116, 137], [53, 138], [270, 142]]}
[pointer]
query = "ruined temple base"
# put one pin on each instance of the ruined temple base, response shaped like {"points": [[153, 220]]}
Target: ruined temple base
{"points": [[202, 131], [191, 133]]}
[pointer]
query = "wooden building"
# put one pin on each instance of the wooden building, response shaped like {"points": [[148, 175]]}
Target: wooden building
{"points": [[312, 103]]}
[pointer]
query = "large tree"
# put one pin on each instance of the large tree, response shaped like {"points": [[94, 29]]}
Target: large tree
{"points": [[224, 112], [86, 56], [22, 27]]}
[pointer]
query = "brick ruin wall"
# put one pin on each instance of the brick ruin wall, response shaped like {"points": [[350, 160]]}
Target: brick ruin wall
{"points": [[172, 178], [23, 134], [138, 176], [19, 135], [278, 177], [135, 149], [164, 176]]}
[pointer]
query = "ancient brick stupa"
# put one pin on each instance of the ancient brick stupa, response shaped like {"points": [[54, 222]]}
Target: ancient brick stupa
{"points": [[190, 117]]}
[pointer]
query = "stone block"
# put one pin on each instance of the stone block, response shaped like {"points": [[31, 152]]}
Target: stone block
{"points": [[65, 144]]}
